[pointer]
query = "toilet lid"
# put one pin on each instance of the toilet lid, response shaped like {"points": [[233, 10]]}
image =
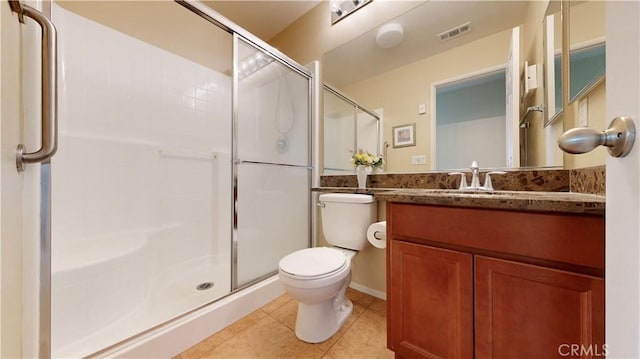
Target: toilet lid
{"points": [[313, 262]]}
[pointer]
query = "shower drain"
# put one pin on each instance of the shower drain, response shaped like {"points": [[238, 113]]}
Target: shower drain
{"points": [[204, 286]]}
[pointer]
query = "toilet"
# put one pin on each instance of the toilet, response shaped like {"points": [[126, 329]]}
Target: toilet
{"points": [[318, 277]]}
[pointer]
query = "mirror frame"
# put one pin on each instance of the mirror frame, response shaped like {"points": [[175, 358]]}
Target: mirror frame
{"points": [[549, 61], [550, 115], [565, 56]]}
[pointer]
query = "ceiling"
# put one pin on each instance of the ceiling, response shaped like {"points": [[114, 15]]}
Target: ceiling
{"points": [[344, 64], [263, 18]]}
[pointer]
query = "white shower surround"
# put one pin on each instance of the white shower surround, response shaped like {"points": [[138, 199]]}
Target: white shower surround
{"points": [[146, 213]]}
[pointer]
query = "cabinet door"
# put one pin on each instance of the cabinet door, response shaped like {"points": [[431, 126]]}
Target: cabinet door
{"points": [[430, 301], [525, 311]]}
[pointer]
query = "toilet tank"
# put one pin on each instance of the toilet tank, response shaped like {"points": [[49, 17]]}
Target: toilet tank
{"points": [[345, 218]]}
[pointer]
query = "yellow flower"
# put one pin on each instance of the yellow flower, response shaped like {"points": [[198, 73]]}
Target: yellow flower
{"points": [[364, 158]]}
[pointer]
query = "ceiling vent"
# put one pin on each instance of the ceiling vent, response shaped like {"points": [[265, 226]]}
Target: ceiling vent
{"points": [[455, 32]]}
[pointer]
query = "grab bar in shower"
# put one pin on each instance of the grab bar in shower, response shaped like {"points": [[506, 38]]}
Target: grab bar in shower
{"points": [[49, 111], [189, 155]]}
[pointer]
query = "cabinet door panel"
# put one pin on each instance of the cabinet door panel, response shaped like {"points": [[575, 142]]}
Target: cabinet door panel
{"points": [[430, 302], [525, 311]]}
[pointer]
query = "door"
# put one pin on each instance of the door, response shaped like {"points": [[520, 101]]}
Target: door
{"points": [[10, 186], [272, 176], [431, 302], [623, 184], [526, 311], [20, 192]]}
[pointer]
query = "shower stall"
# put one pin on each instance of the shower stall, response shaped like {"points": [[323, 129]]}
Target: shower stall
{"points": [[183, 169], [348, 126]]}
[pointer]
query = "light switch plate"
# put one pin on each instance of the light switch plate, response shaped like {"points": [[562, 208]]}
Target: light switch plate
{"points": [[422, 109], [418, 160]]}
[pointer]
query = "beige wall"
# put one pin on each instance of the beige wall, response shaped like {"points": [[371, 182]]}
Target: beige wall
{"points": [[10, 188], [596, 115]]}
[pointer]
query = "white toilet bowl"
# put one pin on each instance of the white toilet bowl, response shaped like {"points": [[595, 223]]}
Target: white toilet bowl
{"points": [[318, 278]]}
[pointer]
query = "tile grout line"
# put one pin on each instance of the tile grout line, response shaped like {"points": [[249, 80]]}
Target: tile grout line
{"points": [[206, 353], [349, 328], [325, 352]]}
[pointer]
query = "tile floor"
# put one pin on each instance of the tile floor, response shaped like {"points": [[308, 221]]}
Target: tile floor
{"points": [[269, 333]]}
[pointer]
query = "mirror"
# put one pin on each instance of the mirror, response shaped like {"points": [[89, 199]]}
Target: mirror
{"points": [[586, 36], [463, 40], [348, 126], [437, 50], [587, 47]]}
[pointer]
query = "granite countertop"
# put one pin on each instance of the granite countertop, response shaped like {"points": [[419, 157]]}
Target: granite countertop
{"points": [[561, 202]]}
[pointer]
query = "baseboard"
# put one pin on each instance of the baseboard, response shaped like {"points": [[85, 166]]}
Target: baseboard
{"points": [[367, 290]]}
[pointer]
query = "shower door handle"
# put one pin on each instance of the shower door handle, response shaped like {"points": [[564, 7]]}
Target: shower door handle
{"points": [[49, 111]]}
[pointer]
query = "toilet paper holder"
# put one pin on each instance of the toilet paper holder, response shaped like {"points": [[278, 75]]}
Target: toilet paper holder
{"points": [[377, 234]]}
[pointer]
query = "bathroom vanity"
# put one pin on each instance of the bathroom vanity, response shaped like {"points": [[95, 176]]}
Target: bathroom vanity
{"points": [[504, 276]]}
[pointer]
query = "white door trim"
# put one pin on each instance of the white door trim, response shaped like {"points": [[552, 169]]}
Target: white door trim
{"points": [[622, 257]]}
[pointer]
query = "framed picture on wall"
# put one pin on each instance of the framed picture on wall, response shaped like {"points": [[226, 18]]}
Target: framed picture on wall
{"points": [[404, 136]]}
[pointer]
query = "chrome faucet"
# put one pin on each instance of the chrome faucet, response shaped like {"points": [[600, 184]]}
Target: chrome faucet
{"points": [[475, 175], [475, 179]]}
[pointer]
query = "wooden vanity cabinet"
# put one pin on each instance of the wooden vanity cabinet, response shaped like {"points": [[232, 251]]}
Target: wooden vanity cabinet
{"points": [[465, 283]]}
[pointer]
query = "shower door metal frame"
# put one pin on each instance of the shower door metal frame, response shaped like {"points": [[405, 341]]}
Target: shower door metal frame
{"points": [[236, 161], [239, 33]]}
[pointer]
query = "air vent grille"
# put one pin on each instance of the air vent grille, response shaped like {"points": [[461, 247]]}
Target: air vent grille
{"points": [[455, 32]]}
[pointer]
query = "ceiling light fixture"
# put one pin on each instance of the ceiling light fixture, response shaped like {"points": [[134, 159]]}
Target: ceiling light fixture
{"points": [[342, 8], [389, 35]]}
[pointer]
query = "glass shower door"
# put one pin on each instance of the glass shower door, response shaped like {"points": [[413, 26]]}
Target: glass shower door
{"points": [[272, 171], [368, 132]]}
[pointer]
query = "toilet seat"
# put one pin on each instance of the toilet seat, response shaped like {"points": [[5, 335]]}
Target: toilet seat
{"points": [[313, 263]]}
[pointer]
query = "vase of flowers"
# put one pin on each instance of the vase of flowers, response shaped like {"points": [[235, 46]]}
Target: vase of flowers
{"points": [[363, 162]]}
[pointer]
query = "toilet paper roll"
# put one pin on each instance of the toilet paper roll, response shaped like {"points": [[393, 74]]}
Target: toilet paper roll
{"points": [[377, 234]]}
